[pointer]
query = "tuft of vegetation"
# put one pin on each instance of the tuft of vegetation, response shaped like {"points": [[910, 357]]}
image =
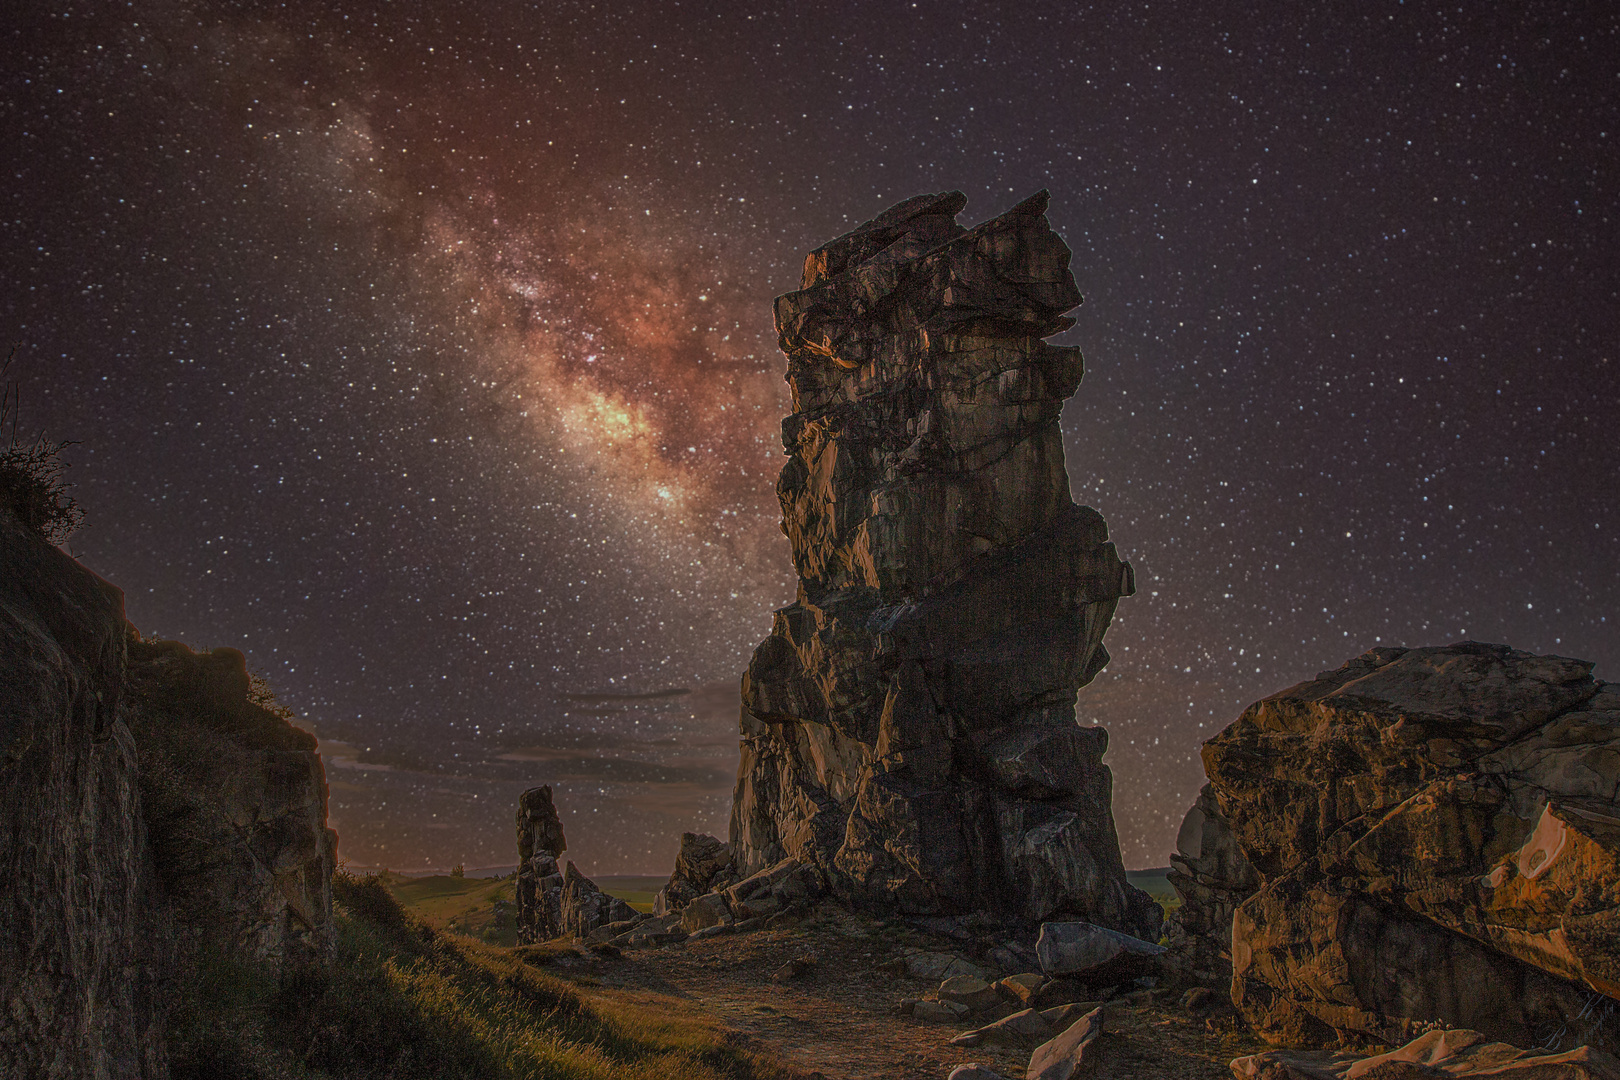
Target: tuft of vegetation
{"points": [[403, 999], [31, 471]]}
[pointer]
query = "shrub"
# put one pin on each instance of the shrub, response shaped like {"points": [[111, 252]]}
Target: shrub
{"points": [[31, 482]]}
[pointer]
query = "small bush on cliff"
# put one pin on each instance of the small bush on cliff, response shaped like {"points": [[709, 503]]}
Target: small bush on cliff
{"points": [[400, 998], [31, 482]]}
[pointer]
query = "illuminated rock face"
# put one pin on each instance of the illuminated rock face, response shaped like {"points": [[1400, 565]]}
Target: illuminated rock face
{"points": [[908, 727], [1434, 835]]}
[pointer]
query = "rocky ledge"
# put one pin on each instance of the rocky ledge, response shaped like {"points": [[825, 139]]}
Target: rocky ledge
{"points": [[908, 728], [1422, 836]]}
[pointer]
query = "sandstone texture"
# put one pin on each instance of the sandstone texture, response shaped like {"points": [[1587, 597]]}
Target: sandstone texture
{"points": [[152, 813], [703, 865], [235, 800], [1212, 876], [76, 992], [1435, 836], [908, 727], [540, 882], [1436, 1054]]}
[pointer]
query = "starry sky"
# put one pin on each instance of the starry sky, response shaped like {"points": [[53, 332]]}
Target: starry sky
{"points": [[423, 352]]}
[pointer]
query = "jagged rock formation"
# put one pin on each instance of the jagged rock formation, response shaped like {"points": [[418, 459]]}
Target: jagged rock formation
{"points": [[703, 865], [150, 813], [539, 882], [585, 907], [1436, 837], [234, 797], [908, 727]]}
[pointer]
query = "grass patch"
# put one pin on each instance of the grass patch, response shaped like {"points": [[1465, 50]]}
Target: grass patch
{"points": [[403, 998]]}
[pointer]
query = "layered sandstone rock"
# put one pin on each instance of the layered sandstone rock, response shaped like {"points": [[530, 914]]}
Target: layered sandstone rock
{"points": [[703, 865], [539, 881], [1436, 835], [234, 797], [1212, 876], [908, 727], [152, 812], [78, 961]]}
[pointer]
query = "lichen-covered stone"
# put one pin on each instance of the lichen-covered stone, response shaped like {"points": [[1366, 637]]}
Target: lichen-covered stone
{"points": [[908, 727]]}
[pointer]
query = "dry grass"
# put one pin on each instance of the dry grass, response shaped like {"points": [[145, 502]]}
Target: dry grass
{"points": [[404, 999]]}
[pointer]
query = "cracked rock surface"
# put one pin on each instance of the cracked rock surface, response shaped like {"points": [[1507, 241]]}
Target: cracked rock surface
{"points": [[908, 727], [1434, 835]]}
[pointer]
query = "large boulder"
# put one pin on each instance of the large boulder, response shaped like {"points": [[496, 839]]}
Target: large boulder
{"points": [[584, 907], [908, 727], [1436, 1054], [1435, 836]]}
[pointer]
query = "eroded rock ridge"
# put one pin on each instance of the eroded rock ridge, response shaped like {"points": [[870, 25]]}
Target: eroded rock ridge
{"points": [[908, 727]]}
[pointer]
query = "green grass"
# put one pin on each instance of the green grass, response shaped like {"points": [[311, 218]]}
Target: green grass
{"points": [[463, 905], [405, 999]]}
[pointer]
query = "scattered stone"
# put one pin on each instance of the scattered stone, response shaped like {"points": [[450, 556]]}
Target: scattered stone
{"points": [[796, 968], [945, 1012], [1026, 1028], [1434, 835], [1023, 988], [1061, 1016], [968, 1038], [908, 727], [783, 919], [705, 911], [1438, 1054], [974, 1071], [969, 990], [1074, 948], [907, 1006], [930, 966], [1071, 1053], [711, 931]]}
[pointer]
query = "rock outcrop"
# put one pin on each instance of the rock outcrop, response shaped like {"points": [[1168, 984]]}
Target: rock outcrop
{"points": [[234, 797], [584, 907], [703, 865], [152, 812], [908, 728], [539, 881], [1212, 876], [1436, 837], [1433, 1055], [79, 962]]}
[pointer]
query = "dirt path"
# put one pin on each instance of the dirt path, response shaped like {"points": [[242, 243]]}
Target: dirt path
{"points": [[840, 1019]]}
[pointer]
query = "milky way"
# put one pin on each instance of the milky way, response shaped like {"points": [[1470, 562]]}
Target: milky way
{"points": [[423, 352]]}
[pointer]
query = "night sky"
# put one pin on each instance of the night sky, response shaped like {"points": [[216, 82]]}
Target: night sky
{"points": [[423, 352]]}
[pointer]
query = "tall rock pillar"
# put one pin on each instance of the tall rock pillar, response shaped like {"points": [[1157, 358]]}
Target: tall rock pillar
{"points": [[908, 726]]}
